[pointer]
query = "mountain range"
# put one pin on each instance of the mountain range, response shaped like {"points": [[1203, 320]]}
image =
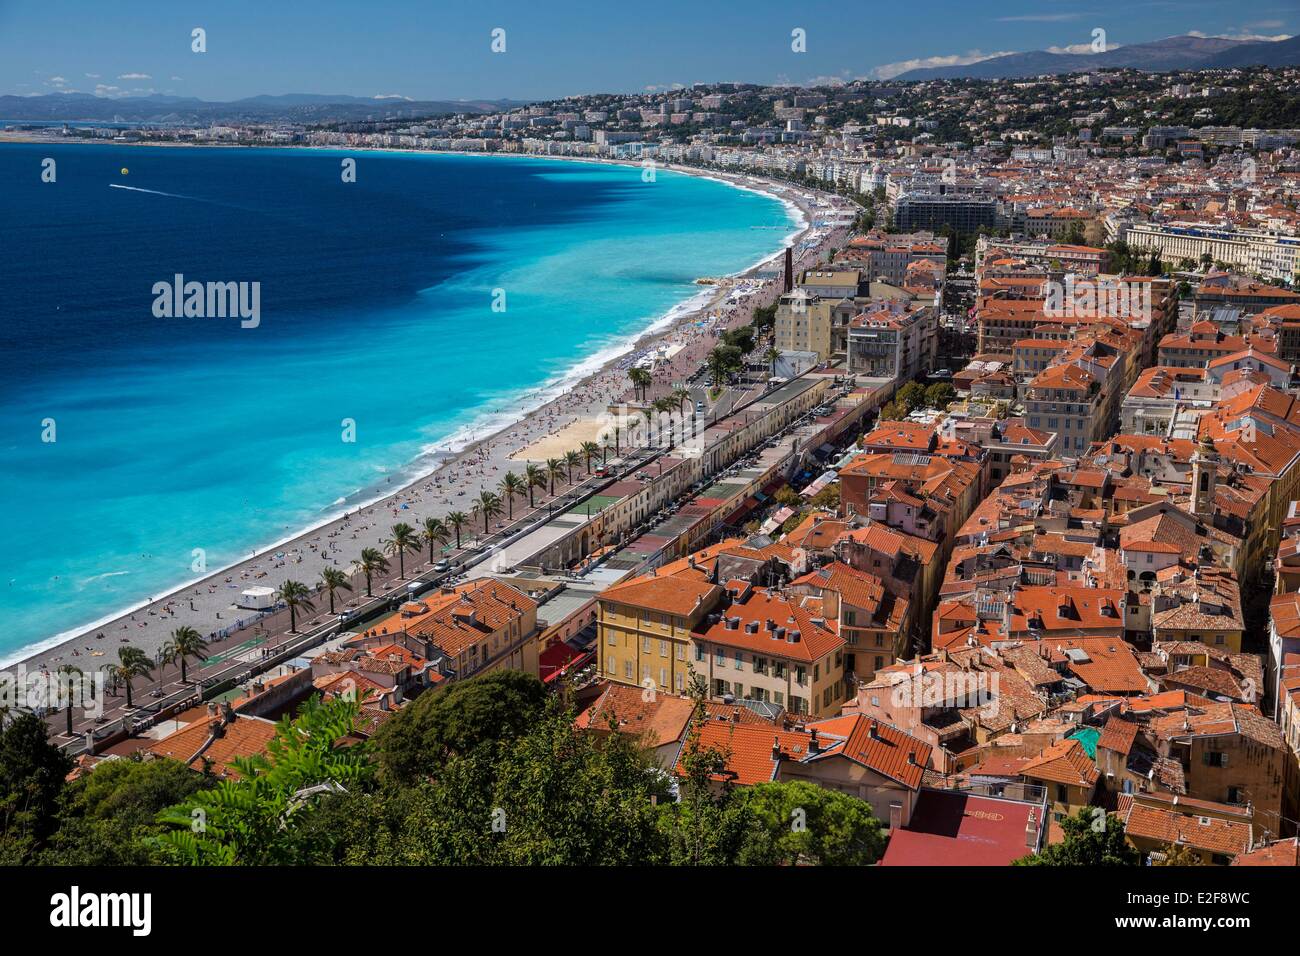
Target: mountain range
{"points": [[1171, 53], [289, 107]]}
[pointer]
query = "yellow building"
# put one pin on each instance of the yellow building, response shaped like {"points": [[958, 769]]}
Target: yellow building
{"points": [[644, 629]]}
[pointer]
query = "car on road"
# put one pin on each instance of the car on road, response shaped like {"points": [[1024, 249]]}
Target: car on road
{"points": [[699, 406], [443, 565]]}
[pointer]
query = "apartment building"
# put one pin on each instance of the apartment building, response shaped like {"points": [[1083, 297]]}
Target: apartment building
{"points": [[644, 628], [766, 646], [871, 620], [477, 627], [1272, 256], [1066, 399], [897, 341]]}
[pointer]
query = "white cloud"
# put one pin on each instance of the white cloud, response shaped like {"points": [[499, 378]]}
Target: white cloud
{"points": [[1241, 35], [887, 71], [135, 76], [828, 80], [1042, 18], [1081, 48], [92, 76], [391, 96], [57, 80], [663, 87]]}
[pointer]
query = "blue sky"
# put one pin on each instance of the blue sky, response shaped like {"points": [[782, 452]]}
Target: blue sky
{"points": [[432, 49]]}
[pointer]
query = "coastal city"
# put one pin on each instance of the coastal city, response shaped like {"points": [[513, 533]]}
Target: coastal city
{"points": [[961, 530]]}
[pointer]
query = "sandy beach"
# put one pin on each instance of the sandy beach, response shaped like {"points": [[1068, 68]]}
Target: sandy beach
{"points": [[556, 426]]}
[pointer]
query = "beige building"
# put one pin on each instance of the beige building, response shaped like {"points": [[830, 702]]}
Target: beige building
{"points": [[762, 646]]}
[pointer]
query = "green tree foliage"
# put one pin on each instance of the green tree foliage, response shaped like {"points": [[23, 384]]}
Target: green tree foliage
{"points": [[828, 497], [764, 317], [1090, 840], [109, 816], [911, 396], [555, 794], [32, 772], [724, 360], [801, 823], [708, 825], [458, 719], [787, 496], [256, 819], [742, 338], [892, 412], [939, 395]]}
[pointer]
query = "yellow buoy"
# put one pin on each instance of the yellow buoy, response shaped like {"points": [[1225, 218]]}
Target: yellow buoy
{"points": [[125, 171]]}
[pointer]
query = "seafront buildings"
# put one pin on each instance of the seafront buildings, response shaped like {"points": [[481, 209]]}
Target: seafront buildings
{"points": [[1017, 531]]}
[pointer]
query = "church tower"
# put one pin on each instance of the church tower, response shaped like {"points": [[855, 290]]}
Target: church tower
{"points": [[1205, 477]]}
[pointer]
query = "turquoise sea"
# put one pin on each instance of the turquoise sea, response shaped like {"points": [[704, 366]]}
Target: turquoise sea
{"points": [[375, 305]]}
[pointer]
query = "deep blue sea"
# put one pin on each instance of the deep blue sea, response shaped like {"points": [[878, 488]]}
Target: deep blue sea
{"points": [[375, 305]]}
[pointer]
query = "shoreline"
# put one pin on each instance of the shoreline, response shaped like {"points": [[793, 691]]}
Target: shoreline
{"points": [[467, 447]]}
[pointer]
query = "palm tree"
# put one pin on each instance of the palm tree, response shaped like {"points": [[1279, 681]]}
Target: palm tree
{"points": [[296, 595], [134, 663], [682, 395], [664, 406], [488, 506], [770, 356], [719, 365], [571, 461], [589, 451], [604, 453], [649, 414], [186, 642], [404, 538], [616, 431], [68, 670], [371, 562], [553, 467], [511, 485], [641, 379], [332, 580], [435, 532], [457, 520], [534, 477], [632, 425]]}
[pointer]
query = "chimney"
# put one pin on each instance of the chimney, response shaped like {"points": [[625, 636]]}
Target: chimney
{"points": [[776, 747], [814, 746], [1031, 830], [212, 708]]}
